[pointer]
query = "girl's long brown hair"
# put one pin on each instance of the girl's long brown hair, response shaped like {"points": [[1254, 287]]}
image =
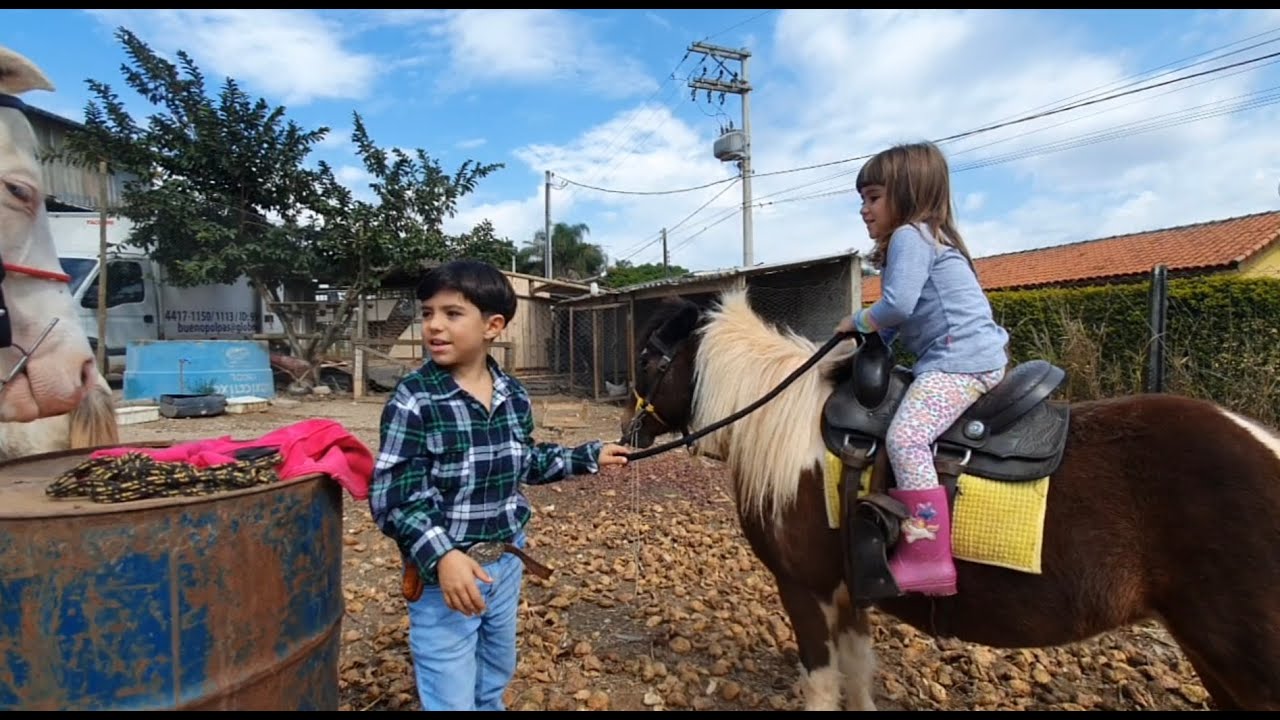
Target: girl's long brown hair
{"points": [[917, 185]]}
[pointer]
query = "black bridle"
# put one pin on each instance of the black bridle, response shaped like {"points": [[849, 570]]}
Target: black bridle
{"points": [[6, 325], [6, 319], [667, 354]]}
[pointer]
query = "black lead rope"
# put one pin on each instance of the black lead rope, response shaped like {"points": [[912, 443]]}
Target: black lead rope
{"points": [[689, 439]]}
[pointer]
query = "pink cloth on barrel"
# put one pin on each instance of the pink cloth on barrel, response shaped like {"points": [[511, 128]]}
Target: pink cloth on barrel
{"points": [[317, 445]]}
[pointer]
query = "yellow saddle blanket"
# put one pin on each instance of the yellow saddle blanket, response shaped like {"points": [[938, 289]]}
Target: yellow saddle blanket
{"points": [[994, 523]]}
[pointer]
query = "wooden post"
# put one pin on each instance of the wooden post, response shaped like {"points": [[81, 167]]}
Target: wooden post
{"points": [[103, 194], [572, 357], [631, 342], [595, 353], [357, 376], [555, 342]]}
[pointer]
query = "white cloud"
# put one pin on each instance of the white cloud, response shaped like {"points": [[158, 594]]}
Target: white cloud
{"points": [[353, 177], [295, 56], [338, 138], [471, 143], [657, 19], [518, 220], [836, 84], [974, 201], [673, 155], [532, 46]]}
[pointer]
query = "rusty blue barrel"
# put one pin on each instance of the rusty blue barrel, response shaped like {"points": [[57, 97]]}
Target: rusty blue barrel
{"points": [[226, 602]]}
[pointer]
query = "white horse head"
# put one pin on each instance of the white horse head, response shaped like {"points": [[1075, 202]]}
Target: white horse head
{"points": [[60, 367]]}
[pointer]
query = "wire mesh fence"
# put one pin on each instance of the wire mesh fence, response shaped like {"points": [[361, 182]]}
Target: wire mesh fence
{"points": [[594, 343], [810, 302], [590, 351]]}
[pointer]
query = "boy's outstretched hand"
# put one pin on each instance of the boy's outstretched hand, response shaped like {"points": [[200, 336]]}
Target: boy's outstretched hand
{"points": [[613, 454]]}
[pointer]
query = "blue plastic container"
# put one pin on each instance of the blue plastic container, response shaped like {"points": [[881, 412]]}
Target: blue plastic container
{"points": [[225, 602], [232, 368]]}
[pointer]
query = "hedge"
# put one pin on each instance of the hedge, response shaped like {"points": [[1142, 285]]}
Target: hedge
{"points": [[1222, 338]]}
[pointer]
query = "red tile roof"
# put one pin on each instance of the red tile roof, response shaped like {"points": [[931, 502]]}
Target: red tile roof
{"points": [[1216, 245]]}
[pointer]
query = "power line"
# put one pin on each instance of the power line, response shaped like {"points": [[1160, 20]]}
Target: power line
{"points": [[1134, 77], [732, 212], [1068, 121], [735, 26], [683, 220], [738, 83], [1247, 101], [1096, 100], [614, 147], [636, 140], [1171, 119], [634, 250], [949, 138], [1088, 139]]}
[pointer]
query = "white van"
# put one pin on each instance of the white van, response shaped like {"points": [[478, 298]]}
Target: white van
{"points": [[140, 304]]}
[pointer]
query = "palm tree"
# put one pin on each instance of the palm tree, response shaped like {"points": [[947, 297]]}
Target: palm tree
{"points": [[573, 258]]}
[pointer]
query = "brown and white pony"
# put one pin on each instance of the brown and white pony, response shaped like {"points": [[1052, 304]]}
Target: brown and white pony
{"points": [[58, 399], [1163, 507]]}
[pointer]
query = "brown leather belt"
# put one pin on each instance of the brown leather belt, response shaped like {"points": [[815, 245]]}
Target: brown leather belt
{"points": [[411, 584]]}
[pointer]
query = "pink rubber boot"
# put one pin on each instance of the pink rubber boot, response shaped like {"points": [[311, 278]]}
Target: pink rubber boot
{"points": [[922, 561]]}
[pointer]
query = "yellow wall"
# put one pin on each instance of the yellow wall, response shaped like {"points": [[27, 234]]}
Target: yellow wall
{"points": [[1266, 264]]}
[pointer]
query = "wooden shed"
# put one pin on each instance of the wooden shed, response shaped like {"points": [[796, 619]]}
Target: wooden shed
{"points": [[595, 351], [526, 345]]}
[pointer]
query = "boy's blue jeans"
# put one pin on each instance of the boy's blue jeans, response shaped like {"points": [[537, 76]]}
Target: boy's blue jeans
{"points": [[461, 662]]}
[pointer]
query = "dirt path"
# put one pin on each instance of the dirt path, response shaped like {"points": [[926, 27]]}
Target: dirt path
{"points": [[699, 625]]}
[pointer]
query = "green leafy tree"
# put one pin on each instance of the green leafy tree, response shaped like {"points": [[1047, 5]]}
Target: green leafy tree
{"points": [[481, 243], [361, 243], [220, 181], [572, 258], [624, 273], [223, 192]]}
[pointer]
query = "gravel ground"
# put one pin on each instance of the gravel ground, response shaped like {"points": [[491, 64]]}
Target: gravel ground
{"points": [[699, 625]]}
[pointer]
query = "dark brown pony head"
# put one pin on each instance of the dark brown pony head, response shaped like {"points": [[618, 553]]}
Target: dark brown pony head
{"points": [[662, 399]]}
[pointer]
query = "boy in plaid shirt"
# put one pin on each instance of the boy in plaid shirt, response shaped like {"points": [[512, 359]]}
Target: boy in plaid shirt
{"points": [[456, 442]]}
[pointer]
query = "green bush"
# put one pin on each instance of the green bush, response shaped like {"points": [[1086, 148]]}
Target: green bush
{"points": [[1222, 338]]}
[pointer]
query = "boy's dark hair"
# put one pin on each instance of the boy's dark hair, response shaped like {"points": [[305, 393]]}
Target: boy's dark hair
{"points": [[482, 284]]}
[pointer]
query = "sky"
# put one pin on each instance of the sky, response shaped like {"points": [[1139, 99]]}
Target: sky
{"points": [[601, 99]]}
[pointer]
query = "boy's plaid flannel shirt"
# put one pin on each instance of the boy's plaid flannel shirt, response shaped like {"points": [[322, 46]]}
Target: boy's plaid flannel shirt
{"points": [[448, 472]]}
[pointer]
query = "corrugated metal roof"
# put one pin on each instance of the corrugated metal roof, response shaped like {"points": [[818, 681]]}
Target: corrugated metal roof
{"points": [[716, 274], [68, 185]]}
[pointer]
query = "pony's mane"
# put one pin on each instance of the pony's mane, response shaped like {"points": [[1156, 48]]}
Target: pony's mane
{"points": [[741, 357]]}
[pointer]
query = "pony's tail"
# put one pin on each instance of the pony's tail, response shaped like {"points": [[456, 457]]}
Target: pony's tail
{"points": [[93, 421]]}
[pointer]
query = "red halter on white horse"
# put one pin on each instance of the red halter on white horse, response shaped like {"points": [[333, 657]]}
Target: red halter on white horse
{"points": [[6, 330], [52, 396]]}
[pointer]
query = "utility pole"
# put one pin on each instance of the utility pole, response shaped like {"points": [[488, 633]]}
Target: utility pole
{"points": [[737, 84], [666, 258], [546, 228]]}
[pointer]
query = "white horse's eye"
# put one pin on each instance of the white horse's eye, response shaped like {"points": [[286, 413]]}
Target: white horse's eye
{"points": [[21, 192]]}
